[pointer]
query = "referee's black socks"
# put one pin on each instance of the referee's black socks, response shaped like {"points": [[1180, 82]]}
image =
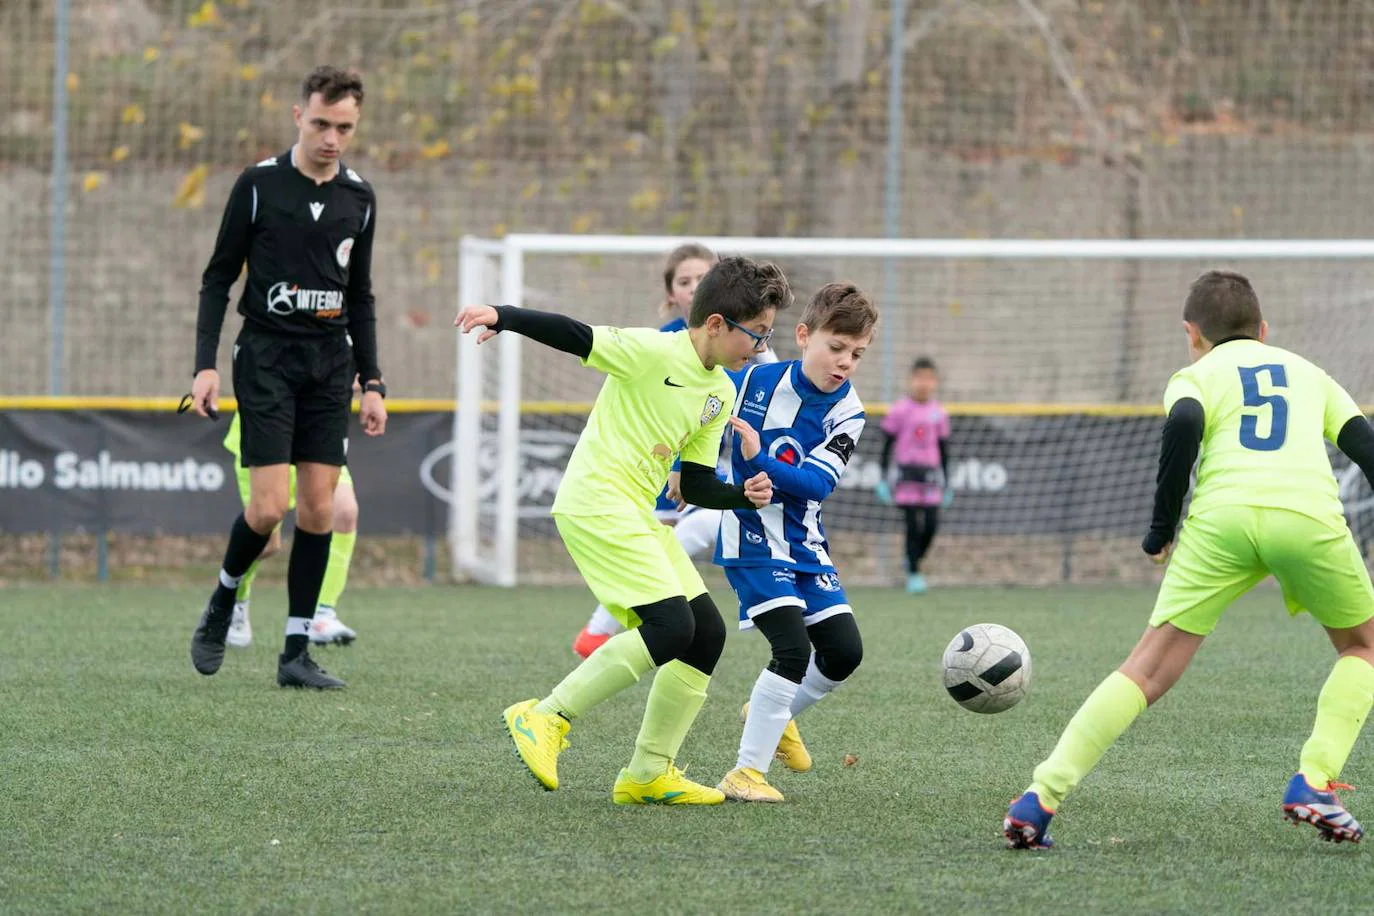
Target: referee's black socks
{"points": [[304, 577], [245, 545]]}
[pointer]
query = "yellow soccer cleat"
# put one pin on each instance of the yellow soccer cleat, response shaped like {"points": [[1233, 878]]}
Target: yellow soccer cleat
{"points": [[672, 788], [749, 785], [539, 738], [791, 751]]}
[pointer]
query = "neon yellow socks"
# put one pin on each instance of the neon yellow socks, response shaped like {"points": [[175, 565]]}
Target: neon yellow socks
{"points": [[336, 573], [616, 665], [1342, 708], [1102, 718], [677, 694]]}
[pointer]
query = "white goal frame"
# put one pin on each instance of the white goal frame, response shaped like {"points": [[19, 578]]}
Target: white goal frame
{"points": [[487, 264]]}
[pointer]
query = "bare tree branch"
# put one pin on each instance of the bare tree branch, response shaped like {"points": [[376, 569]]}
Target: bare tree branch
{"points": [[1067, 76]]}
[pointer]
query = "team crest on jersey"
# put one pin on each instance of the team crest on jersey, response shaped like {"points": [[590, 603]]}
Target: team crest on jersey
{"points": [[828, 582], [712, 409], [344, 252]]}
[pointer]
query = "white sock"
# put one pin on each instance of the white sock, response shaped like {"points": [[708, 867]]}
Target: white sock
{"points": [[229, 581], [813, 689], [602, 623], [298, 626], [769, 712], [697, 531]]}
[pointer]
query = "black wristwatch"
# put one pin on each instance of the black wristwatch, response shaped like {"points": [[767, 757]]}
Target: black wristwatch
{"points": [[374, 385]]}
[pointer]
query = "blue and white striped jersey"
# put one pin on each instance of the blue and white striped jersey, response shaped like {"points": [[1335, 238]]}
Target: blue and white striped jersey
{"points": [[807, 439]]}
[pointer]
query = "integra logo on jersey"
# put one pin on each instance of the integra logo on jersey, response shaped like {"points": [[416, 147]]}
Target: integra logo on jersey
{"points": [[287, 298]]}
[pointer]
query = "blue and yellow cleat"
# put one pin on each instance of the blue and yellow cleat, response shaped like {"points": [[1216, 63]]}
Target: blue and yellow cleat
{"points": [[539, 738], [1027, 823], [1303, 804], [916, 584], [671, 788]]}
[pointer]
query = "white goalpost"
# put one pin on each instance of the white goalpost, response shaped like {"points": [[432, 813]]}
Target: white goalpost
{"points": [[1053, 355]]}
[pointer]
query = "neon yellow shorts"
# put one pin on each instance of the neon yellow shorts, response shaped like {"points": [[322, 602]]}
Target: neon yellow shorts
{"points": [[244, 476], [628, 561], [1226, 551]]}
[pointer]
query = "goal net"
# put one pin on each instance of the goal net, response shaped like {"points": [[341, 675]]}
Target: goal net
{"points": [[1053, 356]]}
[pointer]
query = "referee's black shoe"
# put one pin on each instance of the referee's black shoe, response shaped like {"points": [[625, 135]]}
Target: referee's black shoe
{"points": [[301, 671], [207, 642]]}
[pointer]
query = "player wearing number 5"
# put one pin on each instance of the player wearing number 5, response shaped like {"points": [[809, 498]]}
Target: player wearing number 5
{"points": [[1266, 503]]}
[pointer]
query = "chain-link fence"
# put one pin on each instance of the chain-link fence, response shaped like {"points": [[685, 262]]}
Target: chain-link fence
{"points": [[1021, 118]]}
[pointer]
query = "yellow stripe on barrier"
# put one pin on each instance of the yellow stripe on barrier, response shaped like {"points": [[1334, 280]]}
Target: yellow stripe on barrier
{"points": [[582, 408], [566, 408], [226, 405]]}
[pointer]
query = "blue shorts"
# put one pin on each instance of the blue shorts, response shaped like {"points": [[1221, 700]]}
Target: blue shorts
{"points": [[762, 588]]}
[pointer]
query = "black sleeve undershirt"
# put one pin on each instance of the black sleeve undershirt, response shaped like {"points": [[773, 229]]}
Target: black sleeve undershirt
{"points": [[224, 267], [701, 487], [362, 307], [888, 441], [1177, 452], [1356, 440], [944, 459], [548, 328]]}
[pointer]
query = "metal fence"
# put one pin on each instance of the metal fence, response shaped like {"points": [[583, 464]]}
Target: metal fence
{"points": [[126, 121]]}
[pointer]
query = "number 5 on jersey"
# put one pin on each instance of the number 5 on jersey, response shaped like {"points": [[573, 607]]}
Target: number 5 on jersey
{"points": [[1277, 403]]}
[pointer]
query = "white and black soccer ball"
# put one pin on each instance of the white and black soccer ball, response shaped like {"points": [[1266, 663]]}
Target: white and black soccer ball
{"points": [[987, 668]]}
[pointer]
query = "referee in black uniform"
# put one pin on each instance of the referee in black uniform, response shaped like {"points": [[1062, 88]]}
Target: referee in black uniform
{"points": [[304, 222]]}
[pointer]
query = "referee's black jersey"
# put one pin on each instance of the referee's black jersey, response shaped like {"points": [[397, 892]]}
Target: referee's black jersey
{"points": [[309, 253]]}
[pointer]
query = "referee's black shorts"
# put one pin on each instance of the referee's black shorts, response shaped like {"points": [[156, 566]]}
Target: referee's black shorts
{"points": [[294, 396]]}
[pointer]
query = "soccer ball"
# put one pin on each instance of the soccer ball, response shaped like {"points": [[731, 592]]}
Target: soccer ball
{"points": [[987, 668]]}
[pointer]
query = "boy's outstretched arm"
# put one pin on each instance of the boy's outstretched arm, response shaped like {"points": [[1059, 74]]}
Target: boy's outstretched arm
{"points": [[548, 328], [1177, 452]]}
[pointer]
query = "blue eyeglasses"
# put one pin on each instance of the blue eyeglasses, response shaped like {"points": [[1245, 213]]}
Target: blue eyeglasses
{"points": [[760, 340]]}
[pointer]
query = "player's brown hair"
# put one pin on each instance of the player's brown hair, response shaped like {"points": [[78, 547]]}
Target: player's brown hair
{"points": [[332, 83], [841, 308], [686, 252], [1223, 304], [741, 289]]}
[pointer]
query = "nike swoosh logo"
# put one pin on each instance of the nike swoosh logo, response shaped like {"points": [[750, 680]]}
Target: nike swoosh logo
{"points": [[668, 380], [519, 725], [666, 796]]}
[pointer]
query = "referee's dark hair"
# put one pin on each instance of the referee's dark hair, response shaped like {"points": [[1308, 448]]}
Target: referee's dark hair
{"points": [[332, 84], [741, 289], [1223, 304]]}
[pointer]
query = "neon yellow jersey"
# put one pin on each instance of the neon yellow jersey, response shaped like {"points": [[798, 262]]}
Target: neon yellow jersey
{"points": [[1268, 414], [658, 401]]}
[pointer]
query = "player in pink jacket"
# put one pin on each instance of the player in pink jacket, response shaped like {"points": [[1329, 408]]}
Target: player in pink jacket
{"points": [[917, 429]]}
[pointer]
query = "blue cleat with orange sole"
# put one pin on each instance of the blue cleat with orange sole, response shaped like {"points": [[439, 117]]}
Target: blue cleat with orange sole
{"points": [[1302, 804], [1027, 823]]}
